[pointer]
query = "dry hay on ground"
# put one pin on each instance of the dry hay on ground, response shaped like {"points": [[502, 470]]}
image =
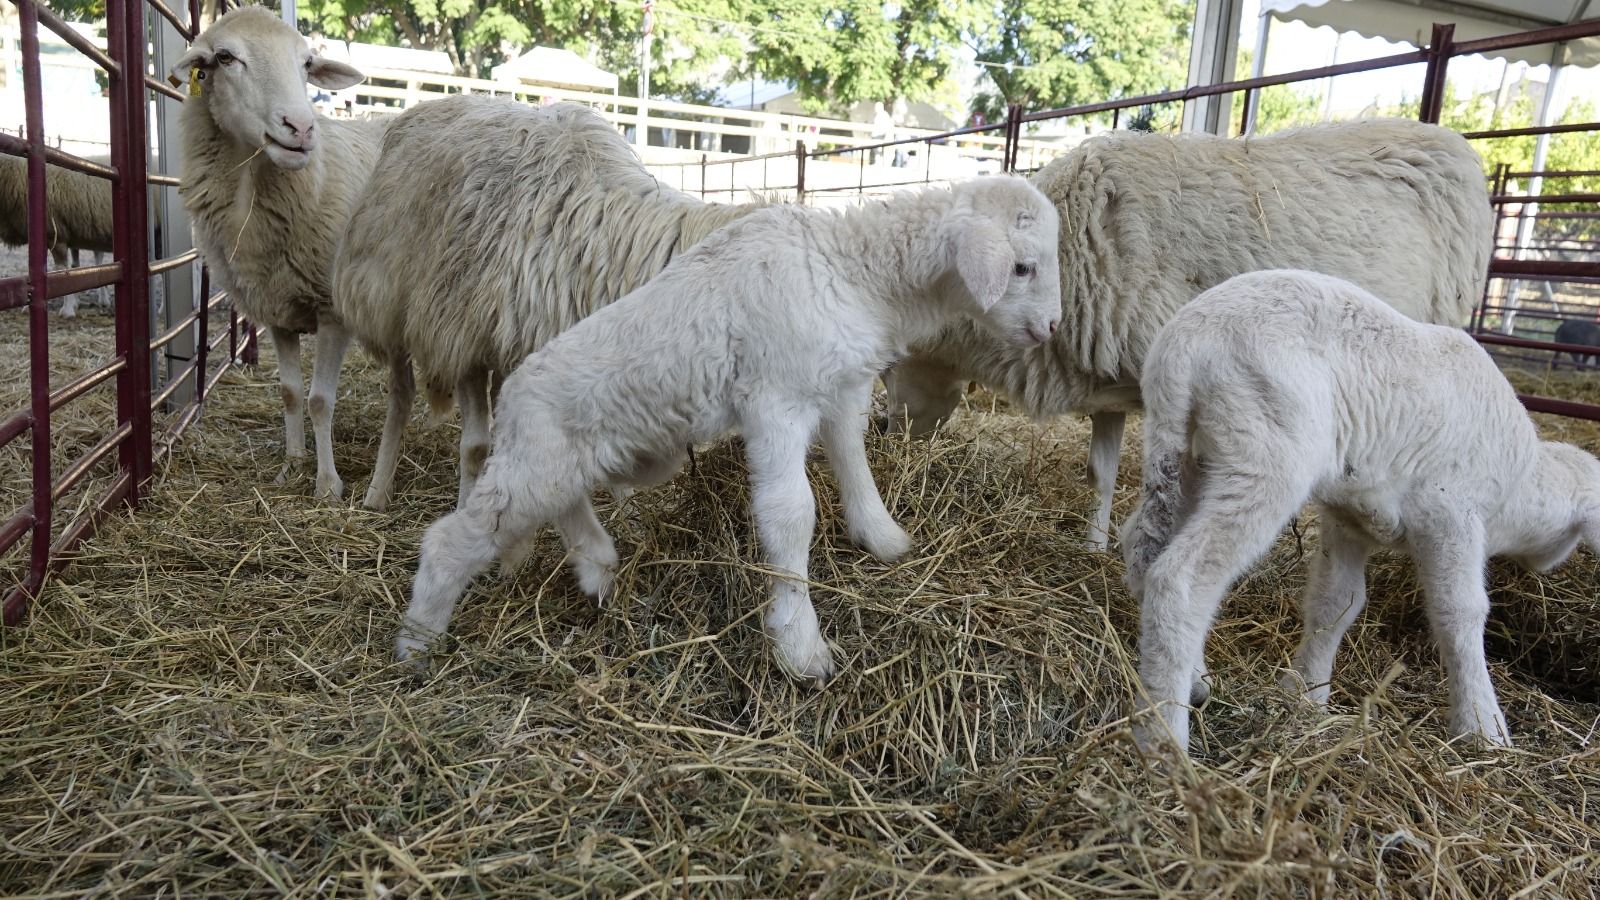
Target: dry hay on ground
{"points": [[204, 704]]}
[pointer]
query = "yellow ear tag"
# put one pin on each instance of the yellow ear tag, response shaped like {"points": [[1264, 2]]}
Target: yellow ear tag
{"points": [[194, 81]]}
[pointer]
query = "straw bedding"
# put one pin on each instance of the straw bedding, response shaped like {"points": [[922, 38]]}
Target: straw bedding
{"points": [[203, 704]]}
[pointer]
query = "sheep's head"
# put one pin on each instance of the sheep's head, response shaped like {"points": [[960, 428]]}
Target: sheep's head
{"points": [[1004, 235], [251, 70], [1567, 481]]}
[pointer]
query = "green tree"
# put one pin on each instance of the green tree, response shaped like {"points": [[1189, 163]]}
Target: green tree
{"points": [[1053, 53]]}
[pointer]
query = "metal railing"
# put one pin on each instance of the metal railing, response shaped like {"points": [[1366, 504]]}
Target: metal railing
{"points": [[149, 418]]}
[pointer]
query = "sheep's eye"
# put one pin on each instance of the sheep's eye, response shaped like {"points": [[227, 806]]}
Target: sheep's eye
{"points": [[224, 57], [1023, 270], [308, 64]]}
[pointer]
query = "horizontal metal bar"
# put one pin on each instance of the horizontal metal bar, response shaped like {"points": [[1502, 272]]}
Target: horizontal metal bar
{"points": [[174, 262], [12, 145], [85, 383], [1568, 408], [15, 292], [164, 180], [168, 14], [80, 43], [161, 87], [1502, 340], [1537, 129], [14, 528], [87, 525], [1555, 269], [1553, 35], [1545, 198], [172, 333], [1588, 173], [1229, 87], [62, 282], [76, 472], [919, 139]]}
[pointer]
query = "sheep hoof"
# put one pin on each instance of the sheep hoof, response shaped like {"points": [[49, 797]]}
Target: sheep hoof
{"points": [[1096, 543], [329, 487], [1200, 691], [886, 541], [375, 501], [411, 652], [813, 665]]}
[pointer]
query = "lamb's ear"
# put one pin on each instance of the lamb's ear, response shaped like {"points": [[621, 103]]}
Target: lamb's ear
{"points": [[332, 74], [196, 57], [983, 257]]}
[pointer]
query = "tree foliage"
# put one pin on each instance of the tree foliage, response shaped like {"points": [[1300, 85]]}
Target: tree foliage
{"points": [[1053, 53]]}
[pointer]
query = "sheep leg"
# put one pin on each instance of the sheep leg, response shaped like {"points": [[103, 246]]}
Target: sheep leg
{"points": [[1105, 452], [333, 339], [286, 344], [69, 303], [402, 394], [102, 294], [1334, 596], [472, 395], [785, 513], [589, 549], [493, 521], [871, 526], [1234, 520], [922, 393], [1451, 556]]}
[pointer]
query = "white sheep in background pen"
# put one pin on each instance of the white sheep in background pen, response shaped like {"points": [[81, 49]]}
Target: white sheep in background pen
{"points": [[488, 228], [1278, 388], [1150, 221], [78, 214], [774, 326], [268, 184]]}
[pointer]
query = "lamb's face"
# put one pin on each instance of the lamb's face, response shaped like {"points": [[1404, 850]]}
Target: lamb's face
{"points": [[1005, 236], [251, 71]]}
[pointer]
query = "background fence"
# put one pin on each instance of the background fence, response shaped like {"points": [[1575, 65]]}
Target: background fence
{"points": [[166, 354]]}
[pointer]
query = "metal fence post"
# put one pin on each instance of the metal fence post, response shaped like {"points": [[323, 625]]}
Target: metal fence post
{"points": [[1013, 134], [1439, 49], [38, 313], [799, 171], [133, 292]]}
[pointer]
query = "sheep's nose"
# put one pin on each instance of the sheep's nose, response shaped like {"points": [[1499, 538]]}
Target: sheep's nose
{"points": [[299, 126], [1052, 326]]}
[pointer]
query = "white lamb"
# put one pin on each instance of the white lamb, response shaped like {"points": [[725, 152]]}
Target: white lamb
{"points": [[268, 184], [774, 326], [78, 214], [1149, 221], [488, 228], [1281, 387]]}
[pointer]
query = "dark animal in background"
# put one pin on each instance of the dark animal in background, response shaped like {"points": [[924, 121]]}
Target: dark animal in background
{"points": [[1573, 331]]}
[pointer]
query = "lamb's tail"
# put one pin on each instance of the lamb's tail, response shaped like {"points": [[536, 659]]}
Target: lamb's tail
{"points": [[1168, 402]]}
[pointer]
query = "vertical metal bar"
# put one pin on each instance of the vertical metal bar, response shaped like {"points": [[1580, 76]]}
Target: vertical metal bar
{"points": [[38, 320], [233, 334], [1116, 117], [799, 171], [252, 347], [203, 345], [702, 176], [1433, 81], [133, 292], [1244, 117]]}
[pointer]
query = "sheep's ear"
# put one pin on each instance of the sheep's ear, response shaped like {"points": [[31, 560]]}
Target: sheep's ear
{"points": [[983, 257], [196, 58], [332, 74]]}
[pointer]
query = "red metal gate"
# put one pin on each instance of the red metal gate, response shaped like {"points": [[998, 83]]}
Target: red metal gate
{"points": [[148, 420]]}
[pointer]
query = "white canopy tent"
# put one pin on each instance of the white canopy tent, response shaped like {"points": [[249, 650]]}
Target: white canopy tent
{"points": [[555, 67], [1411, 21]]}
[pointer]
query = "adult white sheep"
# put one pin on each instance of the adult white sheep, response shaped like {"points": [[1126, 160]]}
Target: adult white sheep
{"points": [[78, 213], [268, 184], [1280, 387], [488, 228], [774, 326], [1150, 221]]}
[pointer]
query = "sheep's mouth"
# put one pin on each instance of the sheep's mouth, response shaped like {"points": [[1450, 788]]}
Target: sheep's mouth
{"points": [[285, 148]]}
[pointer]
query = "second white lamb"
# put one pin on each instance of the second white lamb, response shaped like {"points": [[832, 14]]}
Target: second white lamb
{"points": [[1278, 388], [775, 327]]}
